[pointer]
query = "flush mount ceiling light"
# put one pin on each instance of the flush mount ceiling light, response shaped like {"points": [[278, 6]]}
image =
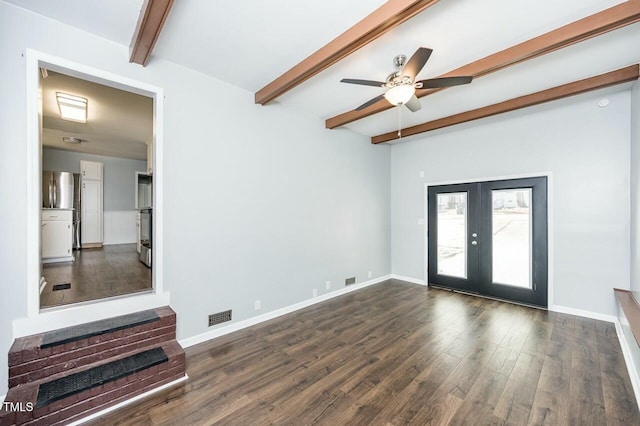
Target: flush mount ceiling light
{"points": [[72, 108], [71, 139]]}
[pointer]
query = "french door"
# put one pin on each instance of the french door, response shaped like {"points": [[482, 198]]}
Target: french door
{"points": [[490, 238]]}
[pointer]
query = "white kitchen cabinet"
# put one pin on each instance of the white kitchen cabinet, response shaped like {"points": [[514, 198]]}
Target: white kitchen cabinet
{"points": [[92, 209], [91, 170], [57, 235]]}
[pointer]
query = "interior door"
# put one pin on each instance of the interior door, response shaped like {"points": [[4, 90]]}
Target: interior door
{"points": [[490, 238]]}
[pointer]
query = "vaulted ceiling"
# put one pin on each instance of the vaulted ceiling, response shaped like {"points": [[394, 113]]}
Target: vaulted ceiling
{"points": [[251, 43]]}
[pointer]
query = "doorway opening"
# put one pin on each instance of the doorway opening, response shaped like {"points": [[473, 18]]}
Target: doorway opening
{"points": [[490, 238], [94, 139], [99, 269]]}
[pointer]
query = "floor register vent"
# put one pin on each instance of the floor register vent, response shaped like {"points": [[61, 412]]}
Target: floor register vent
{"points": [[220, 317]]}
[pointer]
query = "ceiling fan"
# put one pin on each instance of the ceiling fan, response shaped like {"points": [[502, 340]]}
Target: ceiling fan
{"points": [[401, 84]]}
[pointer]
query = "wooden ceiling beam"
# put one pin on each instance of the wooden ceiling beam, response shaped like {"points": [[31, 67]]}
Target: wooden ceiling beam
{"points": [[599, 23], [620, 76], [150, 22], [386, 17]]}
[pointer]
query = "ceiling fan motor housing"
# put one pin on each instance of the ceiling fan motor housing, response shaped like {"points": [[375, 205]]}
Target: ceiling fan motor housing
{"points": [[399, 61]]}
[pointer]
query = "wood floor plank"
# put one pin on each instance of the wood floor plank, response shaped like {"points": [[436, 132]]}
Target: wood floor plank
{"points": [[439, 411], [620, 406], [551, 404], [397, 353], [424, 388], [514, 405]]}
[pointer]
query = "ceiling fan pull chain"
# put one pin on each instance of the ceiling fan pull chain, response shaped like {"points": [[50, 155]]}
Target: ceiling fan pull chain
{"points": [[399, 121]]}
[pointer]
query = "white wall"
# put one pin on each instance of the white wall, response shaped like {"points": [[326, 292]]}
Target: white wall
{"points": [[260, 202], [586, 148], [634, 349]]}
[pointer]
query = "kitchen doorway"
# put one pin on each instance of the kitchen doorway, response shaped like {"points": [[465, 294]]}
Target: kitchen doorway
{"points": [[490, 238], [109, 277]]}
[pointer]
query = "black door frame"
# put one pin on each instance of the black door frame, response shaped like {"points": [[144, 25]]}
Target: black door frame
{"points": [[547, 241]]}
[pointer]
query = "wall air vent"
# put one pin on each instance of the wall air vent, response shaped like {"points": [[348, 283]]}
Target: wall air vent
{"points": [[350, 281], [220, 317]]}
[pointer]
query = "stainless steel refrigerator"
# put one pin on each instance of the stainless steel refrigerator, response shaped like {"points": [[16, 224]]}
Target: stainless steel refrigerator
{"points": [[57, 190], [61, 190]]}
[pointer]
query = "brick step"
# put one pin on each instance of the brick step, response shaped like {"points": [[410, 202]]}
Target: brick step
{"points": [[42, 355], [77, 393]]}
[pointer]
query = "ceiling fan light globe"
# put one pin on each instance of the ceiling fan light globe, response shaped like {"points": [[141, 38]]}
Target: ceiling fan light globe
{"points": [[400, 95]]}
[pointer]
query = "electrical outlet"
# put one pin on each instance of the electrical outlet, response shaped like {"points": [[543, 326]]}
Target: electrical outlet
{"points": [[315, 292], [421, 174], [420, 221], [257, 305], [327, 285], [369, 274]]}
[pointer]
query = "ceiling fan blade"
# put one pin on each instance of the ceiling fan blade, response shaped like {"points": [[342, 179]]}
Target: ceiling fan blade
{"points": [[416, 62], [414, 104], [363, 82], [370, 102], [437, 83]]}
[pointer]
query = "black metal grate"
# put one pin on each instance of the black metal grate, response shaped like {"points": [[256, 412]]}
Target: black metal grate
{"points": [[220, 317], [85, 380], [63, 286], [350, 281], [96, 328]]}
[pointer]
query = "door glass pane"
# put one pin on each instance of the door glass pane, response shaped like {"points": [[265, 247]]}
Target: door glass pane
{"points": [[511, 233], [452, 234]]}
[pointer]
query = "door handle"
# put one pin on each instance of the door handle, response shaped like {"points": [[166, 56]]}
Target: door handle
{"points": [[474, 235], [475, 243]]}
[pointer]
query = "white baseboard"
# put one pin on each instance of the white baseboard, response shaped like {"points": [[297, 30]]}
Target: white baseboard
{"points": [[628, 359], [221, 331], [581, 313], [408, 279], [128, 401]]}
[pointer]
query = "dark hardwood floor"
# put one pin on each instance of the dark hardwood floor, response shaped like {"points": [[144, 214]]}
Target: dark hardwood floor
{"points": [[112, 270], [398, 353]]}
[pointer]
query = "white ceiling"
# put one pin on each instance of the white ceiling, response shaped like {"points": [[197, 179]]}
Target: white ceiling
{"points": [[111, 19], [251, 42], [119, 123]]}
